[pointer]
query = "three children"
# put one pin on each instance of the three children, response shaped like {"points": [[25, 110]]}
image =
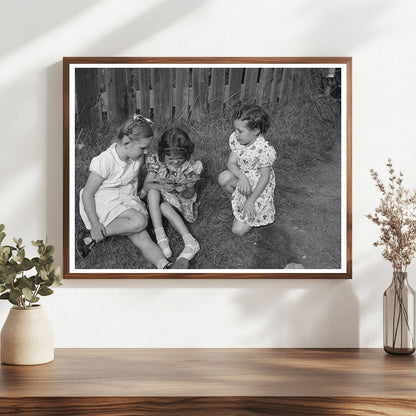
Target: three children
{"points": [[110, 205]]}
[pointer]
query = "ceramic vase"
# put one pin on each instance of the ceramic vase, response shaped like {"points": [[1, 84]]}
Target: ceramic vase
{"points": [[27, 337]]}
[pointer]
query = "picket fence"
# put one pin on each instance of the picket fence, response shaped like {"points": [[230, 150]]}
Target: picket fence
{"points": [[169, 94]]}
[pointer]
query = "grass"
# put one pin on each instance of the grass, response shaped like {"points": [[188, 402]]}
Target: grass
{"points": [[303, 133]]}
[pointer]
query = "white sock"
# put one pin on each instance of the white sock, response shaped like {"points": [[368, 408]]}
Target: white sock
{"points": [[162, 263], [163, 242], [191, 247]]}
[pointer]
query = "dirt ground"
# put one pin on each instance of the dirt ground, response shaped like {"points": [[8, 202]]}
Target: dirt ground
{"points": [[310, 216]]}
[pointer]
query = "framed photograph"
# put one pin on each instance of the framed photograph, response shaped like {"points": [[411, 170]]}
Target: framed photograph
{"points": [[207, 168]]}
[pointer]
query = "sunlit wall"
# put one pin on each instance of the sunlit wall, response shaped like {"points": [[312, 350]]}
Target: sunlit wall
{"points": [[380, 35]]}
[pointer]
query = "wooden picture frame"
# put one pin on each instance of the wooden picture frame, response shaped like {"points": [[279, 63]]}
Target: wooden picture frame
{"points": [[310, 103]]}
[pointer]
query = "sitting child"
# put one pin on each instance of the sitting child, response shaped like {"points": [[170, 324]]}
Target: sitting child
{"points": [[109, 204], [170, 184]]}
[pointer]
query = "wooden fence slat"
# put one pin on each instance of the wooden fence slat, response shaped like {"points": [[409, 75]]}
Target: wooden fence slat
{"points": [[121, 94], [200, 92], [182, 90], [234, 94], [203, 90], [156, 85], [217, 90], [250, 85], [116, 95], [265, 87], [195, 102], [144, 88], [275, 89], [166, 95], [132, 87], [87, 96], [102, 104], [286, 86]]}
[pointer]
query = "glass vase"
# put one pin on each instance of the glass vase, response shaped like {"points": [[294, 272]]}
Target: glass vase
{"points": [[399, 316]]}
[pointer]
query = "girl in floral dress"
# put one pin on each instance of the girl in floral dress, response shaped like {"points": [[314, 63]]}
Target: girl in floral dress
{"points": [[170, 183], [249, 178]]}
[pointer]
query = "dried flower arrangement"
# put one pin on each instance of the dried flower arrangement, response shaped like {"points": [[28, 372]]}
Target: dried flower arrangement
{"points": [[396, 216]]}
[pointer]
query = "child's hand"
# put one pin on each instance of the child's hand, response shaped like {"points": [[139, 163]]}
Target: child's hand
{"points": [[248, 211], [98, 232], [244, 186], [168, 186]]}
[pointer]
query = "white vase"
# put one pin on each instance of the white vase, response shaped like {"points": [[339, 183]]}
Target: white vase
{"points": [[27, 337]]}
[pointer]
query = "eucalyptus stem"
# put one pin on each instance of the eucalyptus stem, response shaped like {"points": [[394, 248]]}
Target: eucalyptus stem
{"points": [[23, 280]]}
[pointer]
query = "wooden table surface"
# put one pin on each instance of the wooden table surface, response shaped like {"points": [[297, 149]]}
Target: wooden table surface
{"points": [[212, 382]]}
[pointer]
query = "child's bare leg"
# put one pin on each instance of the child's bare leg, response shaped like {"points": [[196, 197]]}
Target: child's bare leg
{"points": [[174, 218], [128, 222], [191, 244], [228, 181], [239, 228], [153, 199], [150, 250]]}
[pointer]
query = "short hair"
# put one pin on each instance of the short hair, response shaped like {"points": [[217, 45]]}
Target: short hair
{"points": [[256, 117], [135, 126], [175, 142]]}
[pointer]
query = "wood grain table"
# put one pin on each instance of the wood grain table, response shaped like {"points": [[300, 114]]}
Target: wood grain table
{"points": [[213, 382]]}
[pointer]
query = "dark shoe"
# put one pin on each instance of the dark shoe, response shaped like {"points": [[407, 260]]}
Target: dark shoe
{"points": [[84, 243], [180, 263]]}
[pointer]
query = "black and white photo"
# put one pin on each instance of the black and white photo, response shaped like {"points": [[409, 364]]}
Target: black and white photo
{"points": [[207, 167]]}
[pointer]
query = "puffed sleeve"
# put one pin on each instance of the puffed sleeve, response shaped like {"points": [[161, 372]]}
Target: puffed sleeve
{"points": [[101, 165], [152, 164], [233, 142], [267, 156], [197, 167]]}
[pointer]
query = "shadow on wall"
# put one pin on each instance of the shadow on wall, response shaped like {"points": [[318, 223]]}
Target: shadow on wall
{"points": [[348, 24], [131, 32], [316, 313], [45, 15], [281, 313], [138, 28], [288, 314]]}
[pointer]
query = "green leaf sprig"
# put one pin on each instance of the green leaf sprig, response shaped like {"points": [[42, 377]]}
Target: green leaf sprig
{"points": [[16, 285]]}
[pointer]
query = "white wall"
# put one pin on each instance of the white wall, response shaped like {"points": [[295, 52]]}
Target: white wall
{"points": [[380, 35]]}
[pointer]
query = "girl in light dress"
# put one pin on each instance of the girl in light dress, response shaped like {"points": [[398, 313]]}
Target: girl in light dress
{"points": [[109, 204], [170, 185], [249, 178]]}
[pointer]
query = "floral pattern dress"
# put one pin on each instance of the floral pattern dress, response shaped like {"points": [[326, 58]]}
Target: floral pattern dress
{"points": [[188, 173], [249, 160]]}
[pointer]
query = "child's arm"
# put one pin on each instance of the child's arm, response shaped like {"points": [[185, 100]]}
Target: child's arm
{"points": [[243, 183], [94, 181], [151, 182], [248, 207]]}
